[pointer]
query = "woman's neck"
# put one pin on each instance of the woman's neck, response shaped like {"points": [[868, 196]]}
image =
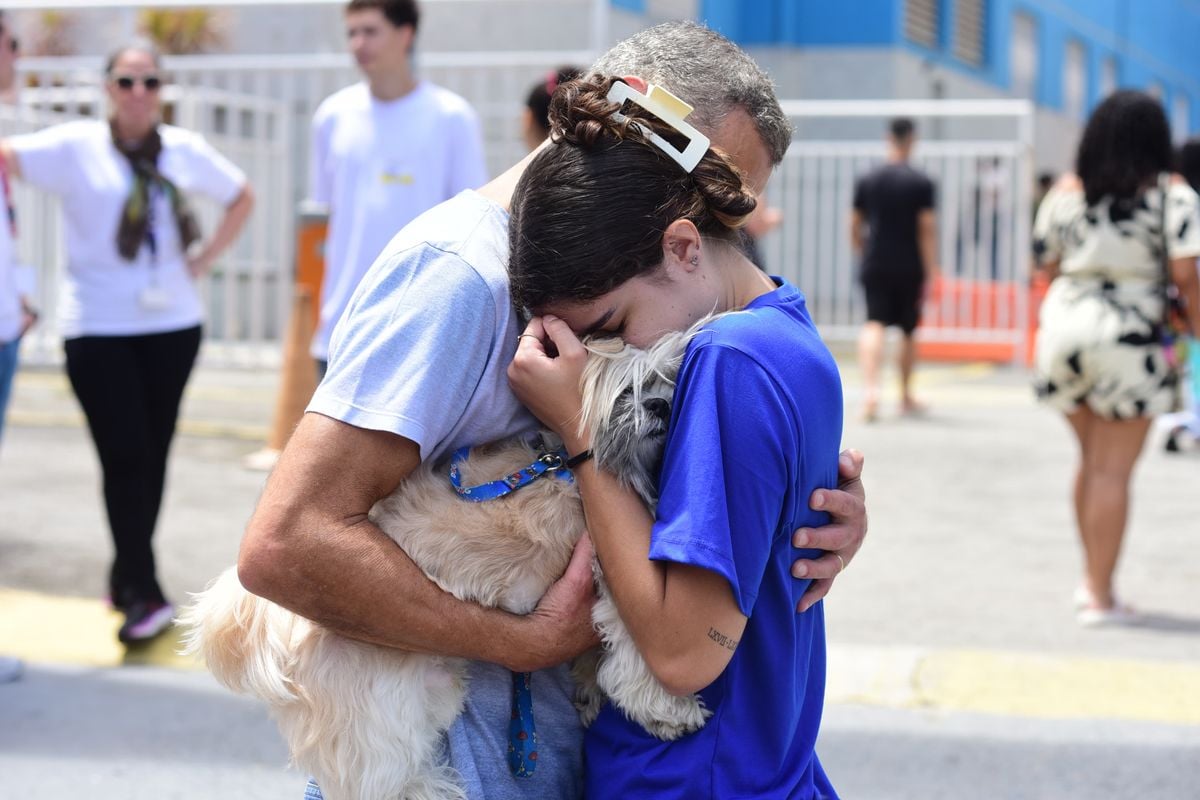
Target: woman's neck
{"points": [[744, 282], [132, 132]]}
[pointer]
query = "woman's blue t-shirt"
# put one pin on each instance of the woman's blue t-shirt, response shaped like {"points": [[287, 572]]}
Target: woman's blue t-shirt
{"points": [[755, 429]]}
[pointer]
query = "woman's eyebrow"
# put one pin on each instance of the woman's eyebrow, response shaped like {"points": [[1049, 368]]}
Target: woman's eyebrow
{"points": [[599, 323]]}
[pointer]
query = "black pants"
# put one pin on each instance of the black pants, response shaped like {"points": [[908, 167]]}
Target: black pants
{"points": [[130, 388]]}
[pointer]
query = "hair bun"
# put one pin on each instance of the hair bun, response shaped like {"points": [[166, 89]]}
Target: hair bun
{"points": [[581, 114]]}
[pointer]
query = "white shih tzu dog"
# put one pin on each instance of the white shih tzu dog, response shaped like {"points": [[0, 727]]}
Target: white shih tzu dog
{"points": [[366, 721]]}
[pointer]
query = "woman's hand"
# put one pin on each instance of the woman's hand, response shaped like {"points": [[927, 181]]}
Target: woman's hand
{"points": [[548, 385], [200, 264]]}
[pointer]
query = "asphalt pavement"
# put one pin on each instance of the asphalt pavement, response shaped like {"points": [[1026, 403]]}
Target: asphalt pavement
{"points": [[956, 669]]}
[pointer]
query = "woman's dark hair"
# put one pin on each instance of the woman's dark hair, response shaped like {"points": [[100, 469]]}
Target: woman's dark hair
{"points": [[1189, 162], [1126, 144], [397, 12], [139, 45], [538, 101], [590, 211]]}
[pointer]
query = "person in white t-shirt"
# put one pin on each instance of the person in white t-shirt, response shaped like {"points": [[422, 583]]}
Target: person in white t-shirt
{"points": [[17, 314], [129, 312], [383, 151]]}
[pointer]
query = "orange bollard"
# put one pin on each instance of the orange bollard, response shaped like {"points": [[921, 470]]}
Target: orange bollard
{"points": [[298, 372]]}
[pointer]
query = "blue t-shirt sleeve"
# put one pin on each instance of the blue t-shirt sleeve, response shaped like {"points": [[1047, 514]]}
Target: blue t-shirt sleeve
{"points": [[729, 459], [409, 352]]}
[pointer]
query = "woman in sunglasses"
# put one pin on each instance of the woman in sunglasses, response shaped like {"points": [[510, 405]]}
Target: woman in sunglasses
{"points": [[129, 312]]}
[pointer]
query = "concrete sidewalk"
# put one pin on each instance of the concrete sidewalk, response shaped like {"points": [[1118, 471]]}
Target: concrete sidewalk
{"points": [[952, 629]]}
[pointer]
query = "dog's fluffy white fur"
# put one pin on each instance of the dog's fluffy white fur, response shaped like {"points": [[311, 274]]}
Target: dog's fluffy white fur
{"points": [[366, 720]]}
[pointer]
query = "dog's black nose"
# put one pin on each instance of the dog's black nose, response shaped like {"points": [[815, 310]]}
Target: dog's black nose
{"points": [[659, 408]]}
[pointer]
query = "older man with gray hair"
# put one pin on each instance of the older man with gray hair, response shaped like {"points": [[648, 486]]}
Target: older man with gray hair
{"points": [[417, 369]]}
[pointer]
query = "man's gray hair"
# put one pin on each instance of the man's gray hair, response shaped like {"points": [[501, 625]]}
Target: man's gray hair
{"points": [[707, 71]]}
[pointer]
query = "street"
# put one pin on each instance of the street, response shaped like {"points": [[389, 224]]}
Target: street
{"points": [[956, 666]]}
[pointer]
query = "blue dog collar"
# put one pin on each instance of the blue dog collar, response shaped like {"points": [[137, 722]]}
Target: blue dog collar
{"points": [[548, 463]]}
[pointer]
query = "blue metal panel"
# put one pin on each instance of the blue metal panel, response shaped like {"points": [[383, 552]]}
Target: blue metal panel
{"points": [[1152, 40], [818, 23]]}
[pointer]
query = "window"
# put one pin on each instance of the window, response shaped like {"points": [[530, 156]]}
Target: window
{"points": [[1024, 57], [1181, 112], [1109, 77], [1075, 80], [970, 31], [922, 22]]}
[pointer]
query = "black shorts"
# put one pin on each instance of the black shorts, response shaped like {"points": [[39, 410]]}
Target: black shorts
{"points": [[894, 304]]}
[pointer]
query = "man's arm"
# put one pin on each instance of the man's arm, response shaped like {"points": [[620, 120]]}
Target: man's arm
{"points": [[310, 548], [857, 236], [927, 243]]}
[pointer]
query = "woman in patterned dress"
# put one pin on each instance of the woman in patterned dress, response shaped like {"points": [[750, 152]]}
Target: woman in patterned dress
{"points": [[1099, 359]]}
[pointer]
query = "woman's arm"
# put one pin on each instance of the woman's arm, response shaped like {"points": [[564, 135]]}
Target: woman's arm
{"points": [[685, 620], [1187, 280], [12, 164], [236, 214]]}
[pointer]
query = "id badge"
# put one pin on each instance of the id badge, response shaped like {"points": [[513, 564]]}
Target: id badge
{"points": [[154, 298]]}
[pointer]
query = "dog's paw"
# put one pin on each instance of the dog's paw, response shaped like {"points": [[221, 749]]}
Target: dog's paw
{"points": [[685, 716]]}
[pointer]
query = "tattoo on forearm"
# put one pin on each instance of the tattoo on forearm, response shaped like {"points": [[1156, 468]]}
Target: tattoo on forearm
{"points": [[722, 639]]}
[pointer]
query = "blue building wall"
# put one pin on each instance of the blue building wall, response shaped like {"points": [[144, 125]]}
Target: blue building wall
{"points": [[1150, 41]]}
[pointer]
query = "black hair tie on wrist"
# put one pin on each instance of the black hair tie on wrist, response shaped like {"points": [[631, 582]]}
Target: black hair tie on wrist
{"points": [[575, 460]]}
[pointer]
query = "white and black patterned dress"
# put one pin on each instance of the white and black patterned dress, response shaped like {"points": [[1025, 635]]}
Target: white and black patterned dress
{"points": [[1098, 340]]}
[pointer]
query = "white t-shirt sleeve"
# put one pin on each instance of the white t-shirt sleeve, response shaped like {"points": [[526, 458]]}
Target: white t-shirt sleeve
{"points": [[212, 174], [47, 157], [409, 353], [320, 171], [468, 170]]}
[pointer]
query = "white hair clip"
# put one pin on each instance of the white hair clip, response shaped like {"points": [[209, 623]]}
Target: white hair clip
{"points": [[671, 110]]}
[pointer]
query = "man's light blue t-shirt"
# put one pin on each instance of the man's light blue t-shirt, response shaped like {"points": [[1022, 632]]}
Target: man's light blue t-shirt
{"points": [[756, 427], [423, 352]]}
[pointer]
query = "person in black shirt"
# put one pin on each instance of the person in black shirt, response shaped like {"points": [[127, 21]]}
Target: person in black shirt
{"points": [[894, 230]]}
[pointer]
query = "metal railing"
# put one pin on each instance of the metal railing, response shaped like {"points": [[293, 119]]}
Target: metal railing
{"points": [[257, 110]]}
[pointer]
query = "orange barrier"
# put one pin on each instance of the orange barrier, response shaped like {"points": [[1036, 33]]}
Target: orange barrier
{"points": [[978, 304], [298, 372]]}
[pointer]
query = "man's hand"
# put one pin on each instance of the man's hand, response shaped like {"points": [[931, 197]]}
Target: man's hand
{"points": [[563, 617], [841, 538]]}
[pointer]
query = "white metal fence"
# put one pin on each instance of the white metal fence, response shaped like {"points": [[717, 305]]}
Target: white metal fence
{"points": [[983, 196], [257, 110]]}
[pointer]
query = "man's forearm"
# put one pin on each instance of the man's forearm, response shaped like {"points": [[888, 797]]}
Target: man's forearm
{"points": [[357, 582]]}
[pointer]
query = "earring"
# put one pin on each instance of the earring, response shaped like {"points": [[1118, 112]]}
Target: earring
{"points": [[695, 261]]}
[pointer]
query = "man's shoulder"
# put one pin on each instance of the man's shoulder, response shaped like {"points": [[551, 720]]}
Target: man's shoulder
{"points": [[467, 228]]}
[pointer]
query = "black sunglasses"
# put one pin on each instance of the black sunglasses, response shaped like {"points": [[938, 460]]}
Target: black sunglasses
{"points": [[127, 82]]}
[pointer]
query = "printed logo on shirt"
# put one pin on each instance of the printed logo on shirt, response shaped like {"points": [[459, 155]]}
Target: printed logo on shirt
{"points": [[390, 177]]}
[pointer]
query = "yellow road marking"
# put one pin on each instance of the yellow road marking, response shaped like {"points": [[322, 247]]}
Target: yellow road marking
{"points": [[44, 628]]}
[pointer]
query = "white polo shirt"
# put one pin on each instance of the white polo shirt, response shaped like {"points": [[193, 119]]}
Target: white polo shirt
{"points": [[103, 294]]}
